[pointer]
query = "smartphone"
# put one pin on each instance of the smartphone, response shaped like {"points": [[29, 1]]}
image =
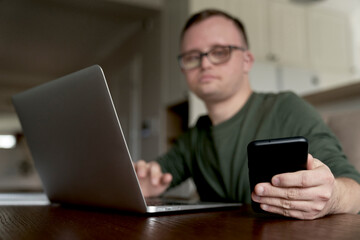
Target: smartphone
{"points": [[270, 157]]}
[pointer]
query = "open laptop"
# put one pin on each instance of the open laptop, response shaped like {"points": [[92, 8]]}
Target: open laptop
{"points": [[78, 146]]}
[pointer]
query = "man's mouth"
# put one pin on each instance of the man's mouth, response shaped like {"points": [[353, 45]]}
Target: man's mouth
{"points": [[206, 78]]}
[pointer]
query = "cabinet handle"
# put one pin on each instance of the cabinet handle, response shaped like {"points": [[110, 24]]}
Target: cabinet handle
{"points": [[315, 80], [272, 57]]}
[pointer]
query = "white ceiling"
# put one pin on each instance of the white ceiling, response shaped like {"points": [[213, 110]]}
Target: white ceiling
{"points": [[44, 39]]}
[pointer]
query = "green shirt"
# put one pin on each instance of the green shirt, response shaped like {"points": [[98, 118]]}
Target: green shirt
{"points": [[216, 156]]}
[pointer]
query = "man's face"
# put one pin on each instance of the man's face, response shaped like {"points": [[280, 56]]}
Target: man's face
{"points": [[211, 82]]}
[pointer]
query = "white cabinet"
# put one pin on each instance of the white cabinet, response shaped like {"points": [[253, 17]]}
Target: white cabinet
{"points": [[254, 15], [276, 30], [299, 80], [334, 42], [287, 26], [330, 40], [272, 77], [198, 5]]}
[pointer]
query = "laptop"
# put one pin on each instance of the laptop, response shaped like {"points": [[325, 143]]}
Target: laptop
{"points": [[79, 149]]}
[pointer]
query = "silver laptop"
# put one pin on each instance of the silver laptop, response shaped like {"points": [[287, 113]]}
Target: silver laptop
{"points": [[78, 146]]}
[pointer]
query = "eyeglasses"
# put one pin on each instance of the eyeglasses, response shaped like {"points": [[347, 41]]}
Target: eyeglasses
{"points": [[216, 55]]}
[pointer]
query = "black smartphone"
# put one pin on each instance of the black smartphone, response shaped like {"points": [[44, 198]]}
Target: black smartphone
{"points": [[270, 157]]}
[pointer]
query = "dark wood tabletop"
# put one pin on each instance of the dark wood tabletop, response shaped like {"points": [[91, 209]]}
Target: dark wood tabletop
{"points": [[59, 222]]}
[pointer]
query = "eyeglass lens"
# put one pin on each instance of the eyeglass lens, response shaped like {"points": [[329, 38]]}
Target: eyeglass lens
{"points": [[216, 55]]}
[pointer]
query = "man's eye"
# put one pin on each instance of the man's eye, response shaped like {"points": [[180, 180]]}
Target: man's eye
{"points": [[190, 58], [219, 53]]}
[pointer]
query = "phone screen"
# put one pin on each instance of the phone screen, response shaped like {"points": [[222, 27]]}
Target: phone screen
{"points": [[267, 158]]}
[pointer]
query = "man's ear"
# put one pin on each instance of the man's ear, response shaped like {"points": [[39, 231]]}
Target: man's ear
{"points": [[248, 61]]}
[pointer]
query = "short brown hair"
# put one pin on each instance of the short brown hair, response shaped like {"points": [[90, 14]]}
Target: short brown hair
{"points": [[207, 13]]}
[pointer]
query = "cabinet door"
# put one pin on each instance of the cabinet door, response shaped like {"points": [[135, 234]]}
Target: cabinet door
{"points": [[330, 40], [288, 34], [198, 5], [254, 15], [299, 80]]}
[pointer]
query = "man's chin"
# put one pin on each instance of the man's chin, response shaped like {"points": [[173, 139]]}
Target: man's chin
{"points": [[207, 96]]}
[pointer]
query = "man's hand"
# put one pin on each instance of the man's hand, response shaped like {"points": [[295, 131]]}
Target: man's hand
{"points": [[307, 194], [153, 181]]}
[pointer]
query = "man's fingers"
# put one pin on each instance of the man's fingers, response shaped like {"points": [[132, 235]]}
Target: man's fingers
{"points": [[158, 177], [295, 179], [320, 174], [152, 170], [310, 162], [304, 194], [153, 181], [141, 168], [155, 173], [303, 178], [300, 214], [166, 179], [317, 163]]}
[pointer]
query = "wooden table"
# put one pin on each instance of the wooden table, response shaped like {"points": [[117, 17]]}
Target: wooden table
{"points": [[58, 222]]}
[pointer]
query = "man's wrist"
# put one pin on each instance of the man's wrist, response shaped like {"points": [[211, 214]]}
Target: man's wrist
{"points": [[335, 204], [346, 196]]}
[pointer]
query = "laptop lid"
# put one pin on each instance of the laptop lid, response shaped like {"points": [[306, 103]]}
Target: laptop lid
{"points": [[78, 146]]}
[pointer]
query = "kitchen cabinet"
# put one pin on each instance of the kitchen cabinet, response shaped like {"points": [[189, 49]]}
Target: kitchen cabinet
{"points": [[272, 77], [330, 41], [198, 5], [299, 80], [254, 15], [334, 42], [287, 26]]}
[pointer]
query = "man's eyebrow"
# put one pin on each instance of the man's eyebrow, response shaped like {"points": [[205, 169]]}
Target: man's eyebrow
{"points": [[196, 50], [211, 47]]}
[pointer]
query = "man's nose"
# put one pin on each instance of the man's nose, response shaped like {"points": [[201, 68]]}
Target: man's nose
{"points": [[205, 62]]}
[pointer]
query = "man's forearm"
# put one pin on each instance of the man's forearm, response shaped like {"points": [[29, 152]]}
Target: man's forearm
{"points": [[347, 196]]}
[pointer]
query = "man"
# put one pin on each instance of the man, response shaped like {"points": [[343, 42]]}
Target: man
{"points": [[216, 62]]}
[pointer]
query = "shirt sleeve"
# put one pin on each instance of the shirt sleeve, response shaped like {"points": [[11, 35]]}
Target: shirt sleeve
{"points": [[323, 144]]}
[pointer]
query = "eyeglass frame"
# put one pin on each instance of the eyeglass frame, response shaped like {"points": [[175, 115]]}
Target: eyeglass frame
{"points": [[206, 54]]}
